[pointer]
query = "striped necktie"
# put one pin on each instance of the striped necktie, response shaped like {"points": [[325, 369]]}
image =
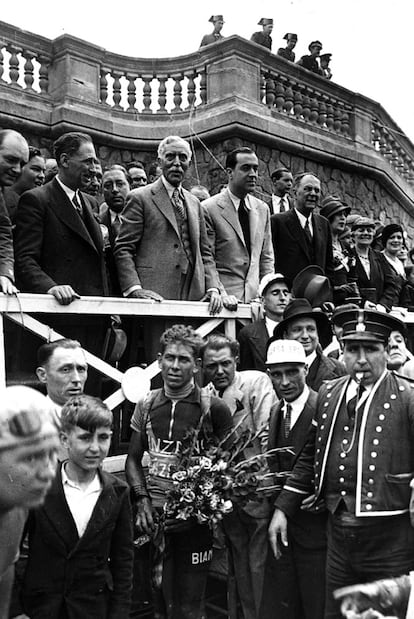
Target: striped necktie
{"points": [[287, 419], [178, 203]]}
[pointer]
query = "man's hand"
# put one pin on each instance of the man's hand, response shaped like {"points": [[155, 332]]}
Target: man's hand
{"points": [[63, 294], [145, 518], [7, 286], [215, 305], [230, 302], [369, 305], [145, 294], [278, 526]]}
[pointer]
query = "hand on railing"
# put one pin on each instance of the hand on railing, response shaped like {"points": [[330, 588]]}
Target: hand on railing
{"points": [[141, 293], [230, 302], [7, 286], [63, 294], [216, 304]]}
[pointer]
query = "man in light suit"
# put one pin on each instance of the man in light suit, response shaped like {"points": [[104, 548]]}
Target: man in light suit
{"points": [[300, 237], [297, 582], [58, 242], [238, 226], [252, 402], [162, 250]]}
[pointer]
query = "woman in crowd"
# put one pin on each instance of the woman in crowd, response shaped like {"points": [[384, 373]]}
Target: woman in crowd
{"points": [[393, 240], [399, 357]]}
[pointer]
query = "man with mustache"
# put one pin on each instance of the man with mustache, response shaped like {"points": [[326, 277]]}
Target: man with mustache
{"points": [[300, 237]]}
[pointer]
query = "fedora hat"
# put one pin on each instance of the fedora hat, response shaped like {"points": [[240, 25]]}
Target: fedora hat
{"points": [[301, 308], [312, 284]]}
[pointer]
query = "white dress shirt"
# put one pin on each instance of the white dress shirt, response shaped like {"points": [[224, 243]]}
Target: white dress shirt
{"points": [[303, 220], [270, 325], [297, 406], [276, 202], [81, 501], [236, 201], [69, 192]]}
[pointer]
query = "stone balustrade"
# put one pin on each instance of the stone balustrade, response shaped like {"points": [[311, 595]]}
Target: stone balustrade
{"points": [[236, 85]]}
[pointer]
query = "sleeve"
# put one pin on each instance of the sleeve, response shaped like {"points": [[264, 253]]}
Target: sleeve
{"points": [[6, 243], [263, 405], [122, 557], [127, 241], [392, 285], [221, 418], [138, 417], [267, 259], [211, 234], [29, 238]]}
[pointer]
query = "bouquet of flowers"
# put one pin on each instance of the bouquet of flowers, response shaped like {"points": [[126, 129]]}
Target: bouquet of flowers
{"points": [[209, 480]]}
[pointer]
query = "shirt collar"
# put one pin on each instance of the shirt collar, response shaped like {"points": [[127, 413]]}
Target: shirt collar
{"points": [[94, 486], [68, 191], [170, 188], [311, 358], [236, 201], [303, 219], [298, 404], [270, 325]]}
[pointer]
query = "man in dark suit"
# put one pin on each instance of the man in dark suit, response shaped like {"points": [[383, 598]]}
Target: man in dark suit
{"points": [[253, 338], [282, 183], [238, 226], [115, 188], [14, 154], [298, 584], [313, 330], [58, 241], [300, 237]]}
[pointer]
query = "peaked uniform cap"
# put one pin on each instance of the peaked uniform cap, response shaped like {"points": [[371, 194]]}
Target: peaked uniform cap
{"points": [[315, 44], [265, 21], [215, 18], [367, 325], [290, 36]]}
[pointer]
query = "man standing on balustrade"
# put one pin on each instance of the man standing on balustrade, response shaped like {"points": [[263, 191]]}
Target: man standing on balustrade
{"points": [[287, 52], [58, 242], [238, 225], [264, 38], [310, 62], [300, 237], [218, 23], [14, 154]]}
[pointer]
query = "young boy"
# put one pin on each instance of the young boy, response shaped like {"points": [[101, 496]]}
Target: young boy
{"points": [[80, 540]]}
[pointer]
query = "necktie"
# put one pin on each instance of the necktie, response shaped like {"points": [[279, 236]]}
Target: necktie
{"points": [[287, 419], [116, 224], [77, 205], [244, 223], [282, 205], [308, 233], [178, 203], [352, 404]]}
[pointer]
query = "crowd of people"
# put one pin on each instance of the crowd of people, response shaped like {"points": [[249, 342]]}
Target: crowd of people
{"points": [[321, 379], [314, 61]]}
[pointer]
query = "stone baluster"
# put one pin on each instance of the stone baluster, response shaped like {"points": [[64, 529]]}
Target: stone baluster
{"points": [[395, 158], [162, 94], [375, 135], [2, 81], [382, 141], [28, 69], [345, 120], [103, 85], [146, 94], [270, 90], [288, 98], [116, 89], [389, 145], [262, 87], [337, 117], [44, 74], [203, 85], [405, 172], [306, 105], [330, 114], [132, 92], [178, 90], [14, 71], [280, 94], [322, 111], [314, 104], [191, 90], [297, 102]]}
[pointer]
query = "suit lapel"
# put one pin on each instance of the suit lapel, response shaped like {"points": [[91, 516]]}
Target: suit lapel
{"points": [[318, 235], [256, 244], [296, 230], [163, 203], [58, 513], [91, 224], [64, 209], [106, 502], [302, 425], [193, 221], [229, 213]]}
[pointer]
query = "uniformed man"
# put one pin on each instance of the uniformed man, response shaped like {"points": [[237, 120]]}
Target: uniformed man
{"points": [[287, 52], [309, 61], [264, 38], [325, 59], [218, 23], [359, 459]]}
